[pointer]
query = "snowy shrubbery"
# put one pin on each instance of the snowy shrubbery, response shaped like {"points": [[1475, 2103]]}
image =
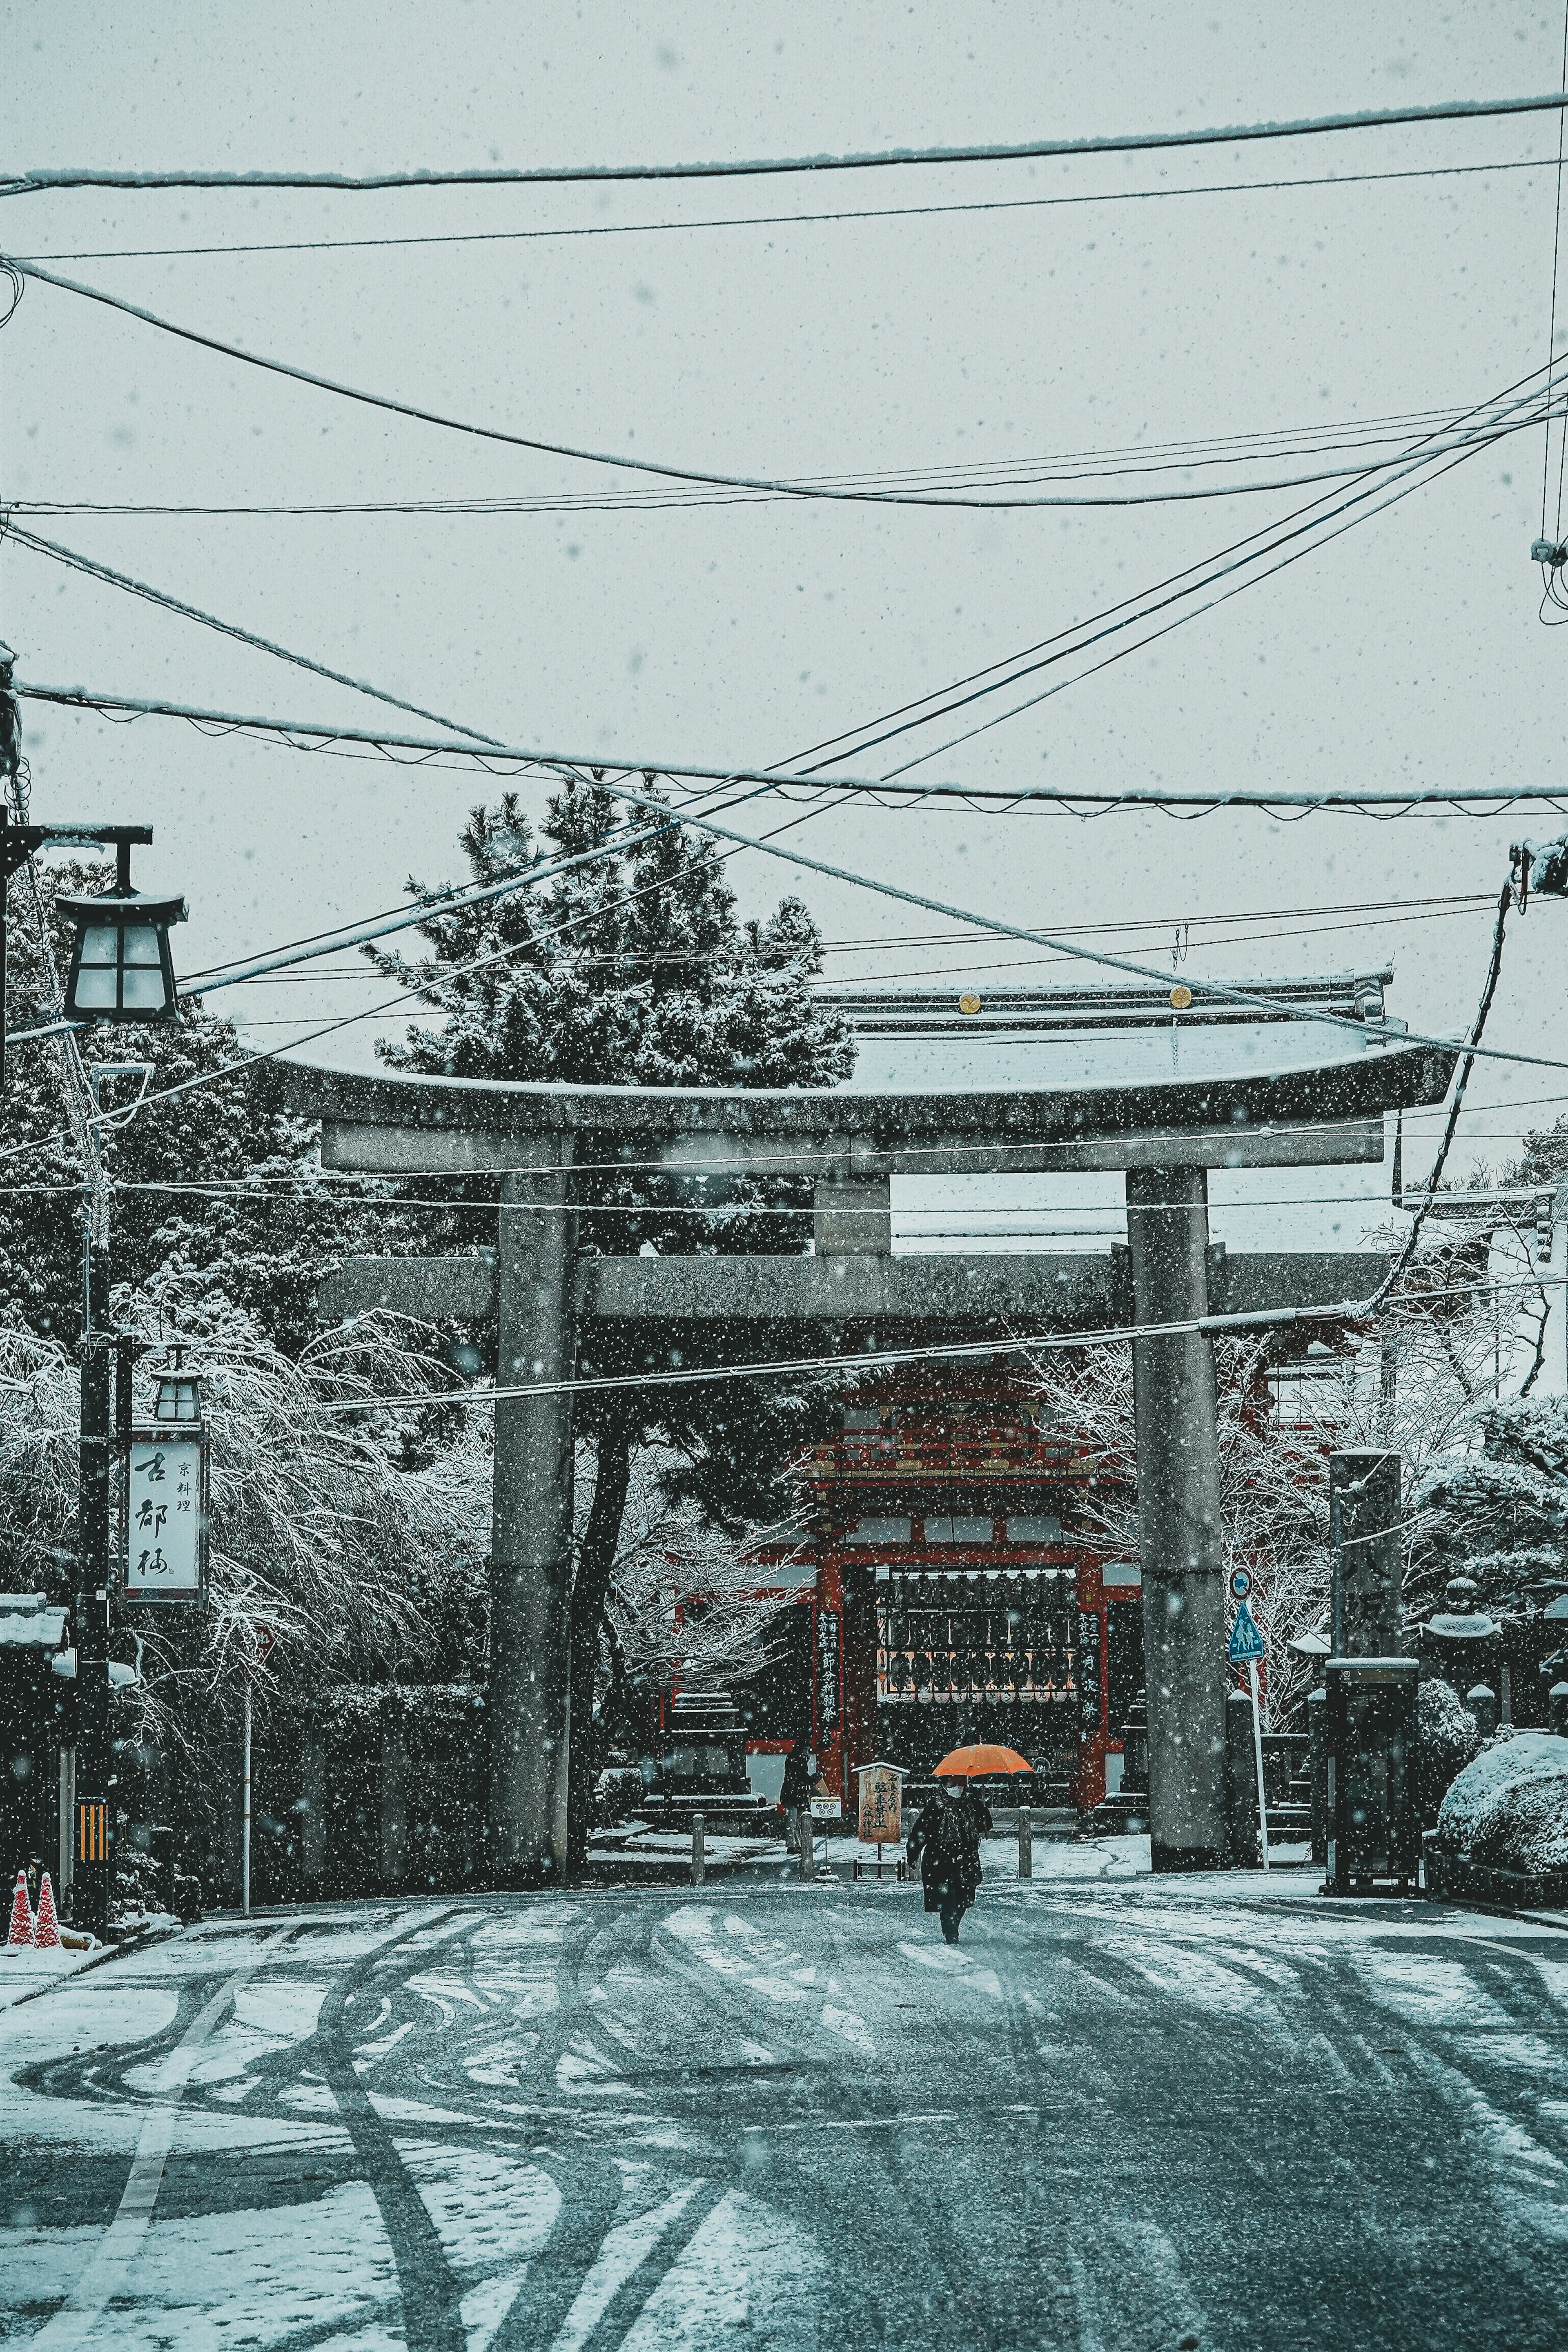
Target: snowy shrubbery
{"points": [[1448, 1739], [1498, 1511], [1507, 1809]]}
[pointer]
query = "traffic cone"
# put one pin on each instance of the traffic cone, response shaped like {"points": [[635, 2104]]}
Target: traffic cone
{"points": [[21, 1913], [45, 1926]]}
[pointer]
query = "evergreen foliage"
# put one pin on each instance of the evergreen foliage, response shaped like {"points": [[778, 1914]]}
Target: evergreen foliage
{"points": [[1497, 1511], [634, 968], [218, 1187]]}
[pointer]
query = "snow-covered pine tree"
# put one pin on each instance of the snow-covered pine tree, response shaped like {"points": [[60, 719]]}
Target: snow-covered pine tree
{"points": [[636, 970]]}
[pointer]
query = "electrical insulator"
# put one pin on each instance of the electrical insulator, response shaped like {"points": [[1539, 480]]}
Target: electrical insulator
{"points": [[1543, 1207]]}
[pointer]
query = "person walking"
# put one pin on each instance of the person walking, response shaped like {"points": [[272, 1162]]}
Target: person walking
{"points": [[795, 1795], [943, 1846]]}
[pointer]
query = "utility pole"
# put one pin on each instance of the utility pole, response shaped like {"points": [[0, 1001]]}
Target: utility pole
{"points": [[93, 1877]]}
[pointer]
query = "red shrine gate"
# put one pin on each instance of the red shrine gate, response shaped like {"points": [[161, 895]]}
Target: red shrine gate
{"points": [[958, 1596]]}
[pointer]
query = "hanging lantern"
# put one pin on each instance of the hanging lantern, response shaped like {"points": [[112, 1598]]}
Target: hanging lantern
{"points": [[179, 1398], [120, 966]]}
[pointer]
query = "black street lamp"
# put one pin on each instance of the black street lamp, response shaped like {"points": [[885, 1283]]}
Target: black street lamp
{"points": [[121, 967]]}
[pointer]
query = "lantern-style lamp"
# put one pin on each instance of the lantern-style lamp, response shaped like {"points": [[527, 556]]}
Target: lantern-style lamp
{"points": [[120, 966], [179, 1398]]}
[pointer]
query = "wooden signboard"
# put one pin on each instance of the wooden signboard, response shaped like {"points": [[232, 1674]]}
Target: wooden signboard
{"points": [[881, 1804], [164, 1537]]}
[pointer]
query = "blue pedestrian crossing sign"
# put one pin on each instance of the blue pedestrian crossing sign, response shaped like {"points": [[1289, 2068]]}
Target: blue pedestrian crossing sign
{"points": [[1246, 1641]]}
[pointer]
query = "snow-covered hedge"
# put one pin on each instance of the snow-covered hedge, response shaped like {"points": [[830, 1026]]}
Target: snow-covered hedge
{"points": [[1509, 1810]]}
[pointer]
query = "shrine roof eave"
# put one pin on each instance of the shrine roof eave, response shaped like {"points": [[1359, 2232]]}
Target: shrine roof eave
{"points": [[1380, 1078]]}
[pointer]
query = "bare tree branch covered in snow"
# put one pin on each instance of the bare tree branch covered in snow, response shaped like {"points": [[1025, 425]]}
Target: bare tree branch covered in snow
{"points": [[1421, 1382], [319, 1517], [670, 1554], [1274, 1507]]}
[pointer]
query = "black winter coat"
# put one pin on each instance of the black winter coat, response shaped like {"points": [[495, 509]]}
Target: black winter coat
{"points": [[978, 1812], [945, 1839]]}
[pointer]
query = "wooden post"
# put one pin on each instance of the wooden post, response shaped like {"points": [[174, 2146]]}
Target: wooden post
{"points": [[531, 1548], [699, 1851], [1179, 1538], [1026, 1843]]}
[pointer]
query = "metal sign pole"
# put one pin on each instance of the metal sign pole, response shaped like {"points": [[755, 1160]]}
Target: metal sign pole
{"points": [[1257, 1753], [245, 1833]]}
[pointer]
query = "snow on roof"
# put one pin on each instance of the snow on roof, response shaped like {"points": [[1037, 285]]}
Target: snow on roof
{"points": [[26, 1622]]}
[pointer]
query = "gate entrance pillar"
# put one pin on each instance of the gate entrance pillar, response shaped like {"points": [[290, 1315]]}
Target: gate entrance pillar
{"points": [[1178, 1537], [531, 1544]]}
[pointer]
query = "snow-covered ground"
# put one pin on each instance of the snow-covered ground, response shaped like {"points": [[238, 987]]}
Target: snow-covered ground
{"points": [[25, 1970], [768, 2115]]}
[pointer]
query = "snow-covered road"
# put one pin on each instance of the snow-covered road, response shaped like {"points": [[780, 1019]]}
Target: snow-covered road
{"points": [[1118, 2117]]}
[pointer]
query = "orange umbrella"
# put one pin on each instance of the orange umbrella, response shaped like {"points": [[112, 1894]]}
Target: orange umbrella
{"points": [[974, 1763]]}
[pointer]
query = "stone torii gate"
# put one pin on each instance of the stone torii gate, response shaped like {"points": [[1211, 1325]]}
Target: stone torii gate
{"points": [[853, 1293]]}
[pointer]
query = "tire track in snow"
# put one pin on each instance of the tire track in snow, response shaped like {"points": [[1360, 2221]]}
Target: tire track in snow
{"points": [[429, 2289], [106, 2275]]}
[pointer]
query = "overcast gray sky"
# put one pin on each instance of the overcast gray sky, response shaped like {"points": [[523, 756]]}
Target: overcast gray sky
{"points": [[1408, 652]]}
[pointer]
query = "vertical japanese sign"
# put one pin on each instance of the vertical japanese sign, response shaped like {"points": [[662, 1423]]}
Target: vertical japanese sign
{"points": [[881, 1804], [163, 1549], [1089, 1676], [826, 1675]]}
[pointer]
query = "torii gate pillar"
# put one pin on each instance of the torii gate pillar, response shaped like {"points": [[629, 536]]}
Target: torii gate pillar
{"points": [[531, 1544], [1178, 1537]]}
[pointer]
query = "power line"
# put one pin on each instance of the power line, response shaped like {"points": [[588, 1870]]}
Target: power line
{"points": [[785, 220], [763, 495], [1011, 1343], [1543, 376], [1314, 546], [547, 174], [110, 578], [1552, 329], [241, 1190], [1299, 526], [701, 477], [1224, 990], [992, 474], [1194, 586], [499, 760], [1191, 450], [274, 970]]}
